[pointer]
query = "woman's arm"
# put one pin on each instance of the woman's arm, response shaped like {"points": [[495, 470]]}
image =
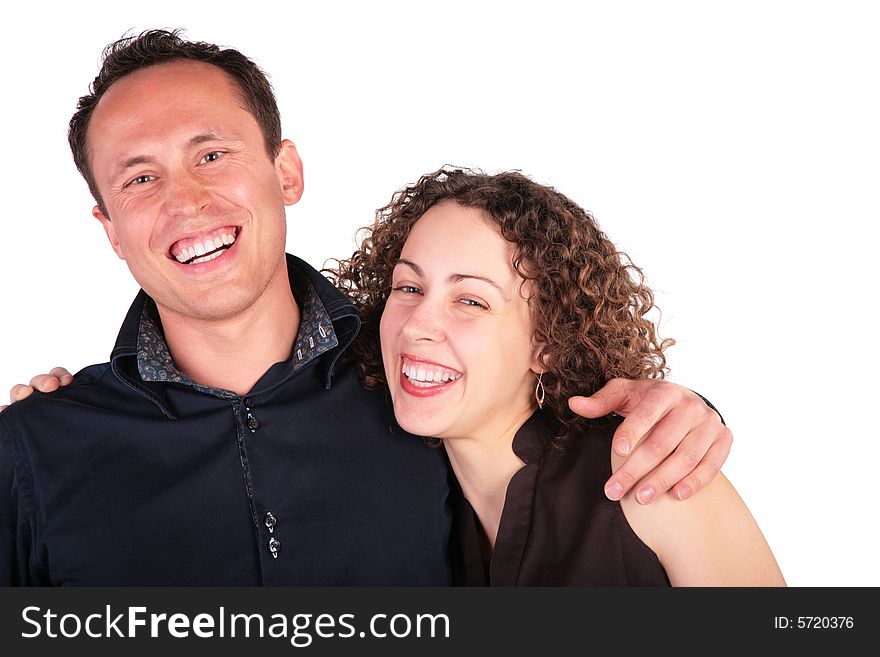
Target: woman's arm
{"points": [[710, 539]]}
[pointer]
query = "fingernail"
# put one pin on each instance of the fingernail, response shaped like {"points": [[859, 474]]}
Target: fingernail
{"points": [[66, 379], [623, 446], [682, 492], [645, 495], [613, 491]]}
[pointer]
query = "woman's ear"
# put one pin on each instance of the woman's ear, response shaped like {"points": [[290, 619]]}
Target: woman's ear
{"points": [[537, 365]]}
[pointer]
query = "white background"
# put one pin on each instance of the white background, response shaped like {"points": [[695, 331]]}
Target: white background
{"points": [[733, 150]]}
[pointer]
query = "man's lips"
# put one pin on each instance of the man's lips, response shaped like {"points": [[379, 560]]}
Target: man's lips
{"points": [[205, 246]]}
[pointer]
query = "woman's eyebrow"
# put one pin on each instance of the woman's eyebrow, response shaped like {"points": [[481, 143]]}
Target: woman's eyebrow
{"points": [[409, 263], [455, 278]]}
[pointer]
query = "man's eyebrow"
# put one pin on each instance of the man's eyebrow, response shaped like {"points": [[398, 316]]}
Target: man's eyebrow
{"points": [[137, 160], [205, 137], [455, 278], [129, 163]]}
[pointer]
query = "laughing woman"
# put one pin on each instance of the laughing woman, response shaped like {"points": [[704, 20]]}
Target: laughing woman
{"points": [[495, 299]]}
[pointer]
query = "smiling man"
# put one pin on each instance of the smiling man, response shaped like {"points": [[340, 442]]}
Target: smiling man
{"points": [[226, 442], [193, 200]]}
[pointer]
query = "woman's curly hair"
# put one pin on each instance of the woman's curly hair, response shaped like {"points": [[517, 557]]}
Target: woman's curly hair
{"points": [[587, 300]]}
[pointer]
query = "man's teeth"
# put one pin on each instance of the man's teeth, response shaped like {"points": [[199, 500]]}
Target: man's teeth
{"points": [[425, 374], [207, 258], [206, 250]]}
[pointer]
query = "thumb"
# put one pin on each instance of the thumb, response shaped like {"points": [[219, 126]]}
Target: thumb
{"points": [[609, 398], [586, 406]]}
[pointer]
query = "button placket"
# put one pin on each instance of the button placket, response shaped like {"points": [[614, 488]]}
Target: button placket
{"points": [[252, 422], [273, 544]]}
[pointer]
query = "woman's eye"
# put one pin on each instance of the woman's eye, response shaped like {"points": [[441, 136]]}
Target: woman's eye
{"points": [[406, 289], [473, 303]]}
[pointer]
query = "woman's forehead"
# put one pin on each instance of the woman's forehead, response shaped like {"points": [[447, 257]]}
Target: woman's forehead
{"points": [[452, 236]]}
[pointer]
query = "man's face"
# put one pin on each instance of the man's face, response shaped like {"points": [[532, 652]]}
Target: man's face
{"points": [[195, 203]]}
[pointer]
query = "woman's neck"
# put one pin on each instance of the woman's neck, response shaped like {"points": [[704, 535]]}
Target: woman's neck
{"points": [[484, 464]]}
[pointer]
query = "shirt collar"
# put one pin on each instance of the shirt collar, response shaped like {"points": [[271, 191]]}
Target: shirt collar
{"points": [[328, 325], [532, 437], [314, 337]]}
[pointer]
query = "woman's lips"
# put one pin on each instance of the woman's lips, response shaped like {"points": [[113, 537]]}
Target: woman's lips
{"points": [[424, 378]]}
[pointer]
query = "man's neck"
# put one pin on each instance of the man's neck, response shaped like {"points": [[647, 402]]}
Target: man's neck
{"points": [[232, 354]]}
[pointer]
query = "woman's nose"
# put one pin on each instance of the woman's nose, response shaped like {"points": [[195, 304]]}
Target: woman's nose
{"points": [[424, 321]]}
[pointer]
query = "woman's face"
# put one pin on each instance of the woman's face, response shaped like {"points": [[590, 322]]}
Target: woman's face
{"points": [[456, 332]]}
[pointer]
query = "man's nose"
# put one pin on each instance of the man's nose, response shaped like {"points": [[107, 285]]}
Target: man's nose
{"points": [[186, 195]]}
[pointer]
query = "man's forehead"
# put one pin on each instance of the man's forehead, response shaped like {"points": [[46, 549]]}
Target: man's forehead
{"points": [[181, 100], [180, 77]]}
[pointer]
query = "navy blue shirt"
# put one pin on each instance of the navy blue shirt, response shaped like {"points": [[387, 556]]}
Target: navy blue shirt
{"points": [[136, 475]]}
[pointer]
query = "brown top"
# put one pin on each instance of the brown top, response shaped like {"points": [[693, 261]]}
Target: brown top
{"points": [[557, 527]]}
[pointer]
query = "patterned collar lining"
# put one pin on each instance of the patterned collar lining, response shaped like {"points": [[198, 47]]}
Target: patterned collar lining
{"points": [[315, 336]]}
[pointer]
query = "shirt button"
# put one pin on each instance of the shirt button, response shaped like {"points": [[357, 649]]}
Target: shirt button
{"points": [[252, 423], [248, 403], [270, 521], [274, 547]]}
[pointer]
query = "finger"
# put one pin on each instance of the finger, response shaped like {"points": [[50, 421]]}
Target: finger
{"points": [[685, 457], [642, 419], [64, 377], [45, 383], [708, 467], [655, 444], [613, 396], [19, 391], [637, 465]]}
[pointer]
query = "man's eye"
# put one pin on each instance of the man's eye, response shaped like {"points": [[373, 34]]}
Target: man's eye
{"points": [[139, 180], [213, 156]]}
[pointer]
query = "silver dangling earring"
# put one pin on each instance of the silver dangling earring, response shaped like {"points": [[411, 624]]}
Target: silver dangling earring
{"points": [[539, 391]]}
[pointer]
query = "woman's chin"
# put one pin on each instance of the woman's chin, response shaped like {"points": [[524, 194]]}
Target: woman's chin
{"points": [[418, 424]]}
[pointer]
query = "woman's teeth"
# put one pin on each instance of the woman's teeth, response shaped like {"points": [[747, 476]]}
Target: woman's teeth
{"points": [[424, 375]]}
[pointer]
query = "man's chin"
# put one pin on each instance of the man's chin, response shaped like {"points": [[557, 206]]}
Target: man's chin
{"points": [[209, 309]]}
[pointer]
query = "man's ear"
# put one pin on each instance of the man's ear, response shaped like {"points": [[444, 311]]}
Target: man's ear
{"points": [[290, 172], [109, 229]]}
